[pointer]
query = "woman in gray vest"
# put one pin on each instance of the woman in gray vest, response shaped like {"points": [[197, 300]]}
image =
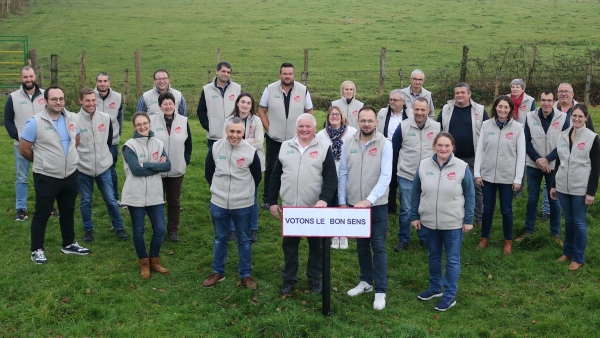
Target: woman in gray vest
{"points": [[499, 163], [144, 159], [336, 133], [348, 104], [442, 207], [174, 131], [576, 182], [254, 134]]}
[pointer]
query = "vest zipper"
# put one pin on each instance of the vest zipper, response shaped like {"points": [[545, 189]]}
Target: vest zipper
{"points": [[497, 151], [437, 197], [229, 166]]}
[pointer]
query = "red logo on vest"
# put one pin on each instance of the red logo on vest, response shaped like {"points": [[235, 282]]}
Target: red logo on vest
{"points": [[581, 146], [509, 136], [430, 135], [250, 128], [355, 113], [476, 115], [313, 154], [112, 105], [101, 128], [373, 152], [240, 162], [451, 176], [523, 107], [178, 130], [297, 98], [155, 155], [232, 97], [41, 101], [555, 125], [72, 127]]}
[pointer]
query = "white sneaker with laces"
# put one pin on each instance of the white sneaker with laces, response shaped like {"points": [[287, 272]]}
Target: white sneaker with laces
{"points": [[379, 303], [335, 243], [361, 288], [38, 257], [343, 243], [75, 249]]}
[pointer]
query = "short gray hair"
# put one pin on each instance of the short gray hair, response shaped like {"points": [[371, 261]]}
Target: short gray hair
{"points": [[306, 116], [463, 84], [566, 84], [234, 120], [518, 82], [417, 71], [396, 91]]}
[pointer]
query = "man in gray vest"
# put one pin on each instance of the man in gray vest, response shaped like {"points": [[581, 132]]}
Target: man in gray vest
{"points": [[149, 100], [110, 102], [542, 129], [462, 118], [415, 90], [217, 102], [363, 182], [21, 105], [305, 176], [49, 140], [281, 104], [96, 137], [412, 143]]}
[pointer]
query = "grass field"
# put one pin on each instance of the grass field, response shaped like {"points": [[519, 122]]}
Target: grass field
{"points": [[101, 295]]}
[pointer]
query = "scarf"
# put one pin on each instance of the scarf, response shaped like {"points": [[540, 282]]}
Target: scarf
{"points": [[501, 124], [517, 102], [336, 140]]}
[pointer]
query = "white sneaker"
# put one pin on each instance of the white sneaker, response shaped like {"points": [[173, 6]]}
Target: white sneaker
{"points": [[379, 303], [343, 243], [335, 243], [361, 288]]}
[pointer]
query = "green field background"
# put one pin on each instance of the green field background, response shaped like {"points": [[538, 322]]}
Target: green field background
{"points": [[101, 295]]}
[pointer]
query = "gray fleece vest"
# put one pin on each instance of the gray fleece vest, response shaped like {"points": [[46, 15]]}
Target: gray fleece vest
{"points": [[219, 107], [48, 154], [94, 155], [151, 99], [544, 142], [25, 108], [232, 185], [143, 191], [110, 105], [409, 100], [280, 127], [476, 119], [575, 165], [417, 145], [499, 157], [174, 143], [254, 130], [350, 110]]}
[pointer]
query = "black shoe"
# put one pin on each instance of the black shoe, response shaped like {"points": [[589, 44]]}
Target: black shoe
{"points": [[232, 236], [288, 286], [254, 236], [121, 234], [401, 246], [88, 236], [316, 288], [173, 236], [265, 205]]}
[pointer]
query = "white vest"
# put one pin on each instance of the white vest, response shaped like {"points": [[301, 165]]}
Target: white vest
{"points": [[544, 142], [575, 165], [25, 108], [417, 145], [254, 130], [280, 127], [151, 99], [143, 191], [476, 119], [174, 143], [94, 154], [498, 162], [48, 154], [110, 105], [350, 110], [219, 107]]}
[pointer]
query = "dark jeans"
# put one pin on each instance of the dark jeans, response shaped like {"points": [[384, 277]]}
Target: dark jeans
{"points": [[478, 193], [489, 204], [534, 181], [372, 255], [314, 267], [271, 157], [172, 188], [392, 205], [156, 213], [114, 151], [47, 190]]}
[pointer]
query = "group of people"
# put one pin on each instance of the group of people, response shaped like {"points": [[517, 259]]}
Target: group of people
{"points": [[446, 171]]}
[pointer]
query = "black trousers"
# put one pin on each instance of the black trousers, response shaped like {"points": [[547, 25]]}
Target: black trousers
{"points": [[271, 157], [314, 268], [47, 190]]}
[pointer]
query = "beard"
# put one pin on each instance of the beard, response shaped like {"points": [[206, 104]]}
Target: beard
{"points": [[367, 133], [27, 86]]}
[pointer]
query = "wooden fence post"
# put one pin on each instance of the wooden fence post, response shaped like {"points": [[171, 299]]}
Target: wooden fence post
{"points": [[401, 75], [218, 55], [305, 72], [40, 76], [34, 59], [463, 66], [54, 70], [381, 70], [82, 69], [588, 78], [138, 73], [532, 64], [125, 86], [497, 83]]}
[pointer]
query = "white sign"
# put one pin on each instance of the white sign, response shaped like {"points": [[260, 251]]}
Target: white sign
{"points": [[326, 222]]}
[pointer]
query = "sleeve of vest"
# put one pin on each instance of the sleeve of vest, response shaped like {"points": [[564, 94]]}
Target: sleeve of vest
{"points": [[330, 180], [595, 172], [209, 167], [255, 170]]}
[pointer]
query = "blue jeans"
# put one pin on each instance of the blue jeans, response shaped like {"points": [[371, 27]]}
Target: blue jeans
{"points": [[156, 213], [574, 209], [372, 256], [253, 215], [221, 219], [489, 204], [86, 189], [437, 241], [404, 195], [114, 150], [534, 181], [22, 168]]}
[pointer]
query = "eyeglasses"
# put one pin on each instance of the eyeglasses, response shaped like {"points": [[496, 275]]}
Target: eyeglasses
{"points": [[139, 125], [161, 79], [57, 99], [417, 80], [366, 121], [395, 100], [564, 91], [335, 114]]}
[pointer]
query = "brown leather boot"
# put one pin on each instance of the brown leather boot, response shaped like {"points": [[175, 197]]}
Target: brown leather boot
{"points": [[507, 247], [155, 265], [483, 243], [145, 268]]}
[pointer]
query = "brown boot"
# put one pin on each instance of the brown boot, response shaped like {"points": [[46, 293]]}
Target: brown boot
{"points": [[507, 247], [145, 268], [483, 243], [155, 265]]}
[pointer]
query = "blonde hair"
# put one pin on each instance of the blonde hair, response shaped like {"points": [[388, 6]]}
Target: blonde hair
{"points": [[345, 84]]}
